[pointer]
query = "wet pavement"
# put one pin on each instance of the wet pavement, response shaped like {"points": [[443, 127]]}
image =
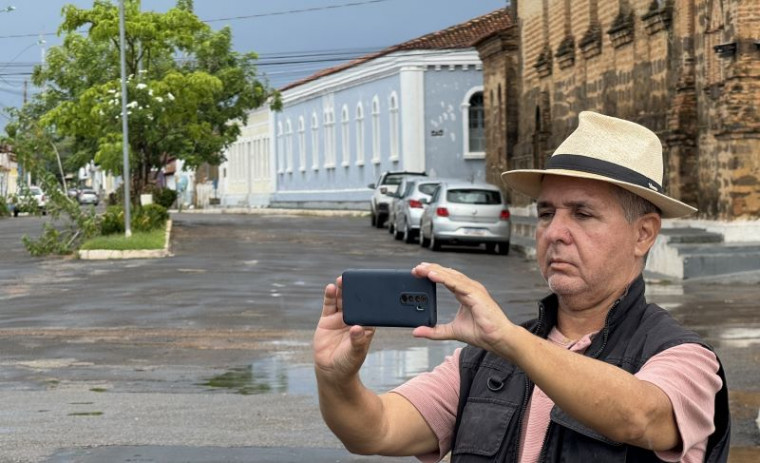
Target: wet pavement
{"points": [[205, 356]]}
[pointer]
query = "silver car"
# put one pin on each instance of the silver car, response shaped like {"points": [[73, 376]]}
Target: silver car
{"points": [[88, 196], [408, 205], [471, 214]]}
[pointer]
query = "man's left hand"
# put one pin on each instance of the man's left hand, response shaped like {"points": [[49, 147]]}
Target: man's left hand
{"points": [[479, 320]]}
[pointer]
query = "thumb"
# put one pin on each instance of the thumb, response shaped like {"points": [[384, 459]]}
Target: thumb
{"points": [[361, 337], [438, 332]]}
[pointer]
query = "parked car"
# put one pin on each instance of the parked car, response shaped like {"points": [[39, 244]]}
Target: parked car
{"points": [[72, 192], [88, 196], [461, 213], [407, 207], [29, 199], [384, 187]]}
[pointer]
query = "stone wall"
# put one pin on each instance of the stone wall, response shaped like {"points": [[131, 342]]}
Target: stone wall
{"points": [[650, 61]]}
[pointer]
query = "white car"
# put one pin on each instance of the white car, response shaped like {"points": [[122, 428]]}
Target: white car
{"points": [[407, 207], [379, 206], [468, 214], [30, 199]]}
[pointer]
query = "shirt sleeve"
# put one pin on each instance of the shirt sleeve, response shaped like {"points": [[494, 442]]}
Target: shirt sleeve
{"points": [[688, 374], [435, 395]]}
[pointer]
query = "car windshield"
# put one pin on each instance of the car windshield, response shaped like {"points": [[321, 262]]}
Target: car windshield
{"points": [[473, 196], [35, 190]]}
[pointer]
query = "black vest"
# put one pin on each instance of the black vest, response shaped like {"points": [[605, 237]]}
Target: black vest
{"points": [[494, 393]]}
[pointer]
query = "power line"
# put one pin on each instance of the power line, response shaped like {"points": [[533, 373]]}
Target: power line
{"points": [[303, 10], [233, 18]]}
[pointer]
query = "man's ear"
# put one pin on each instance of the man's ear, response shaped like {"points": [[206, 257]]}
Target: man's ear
{"points": [[647, 228]]}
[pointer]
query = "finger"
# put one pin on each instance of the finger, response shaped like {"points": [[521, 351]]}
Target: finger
{"points": [[437, 333], [339, 294], [329, 305], [361, 336]]}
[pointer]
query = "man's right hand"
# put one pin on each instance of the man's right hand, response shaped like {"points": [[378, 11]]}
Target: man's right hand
{"points": [[339, 349]]}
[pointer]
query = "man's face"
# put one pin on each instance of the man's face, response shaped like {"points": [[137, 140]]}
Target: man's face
{"points": [[585, 246]]}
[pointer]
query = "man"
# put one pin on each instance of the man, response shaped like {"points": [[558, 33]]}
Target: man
{"points": [[600, 375]]}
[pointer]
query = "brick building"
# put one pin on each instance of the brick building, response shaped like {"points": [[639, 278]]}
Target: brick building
{"points": [[687, 69]]}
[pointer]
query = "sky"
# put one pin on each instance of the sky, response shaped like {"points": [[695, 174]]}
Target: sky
{"points": [[294, 38]]}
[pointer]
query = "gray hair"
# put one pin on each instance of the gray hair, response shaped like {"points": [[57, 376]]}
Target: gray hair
{"points": [[634, 206]]}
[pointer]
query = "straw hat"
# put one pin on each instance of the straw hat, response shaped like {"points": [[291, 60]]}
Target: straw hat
{"points": [[610, 150]]}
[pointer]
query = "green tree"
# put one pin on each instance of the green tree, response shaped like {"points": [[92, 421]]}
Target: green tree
{"points": [[186, 88]]}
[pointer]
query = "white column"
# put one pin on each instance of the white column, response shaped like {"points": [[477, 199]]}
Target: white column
{"points": [[412, 107]]}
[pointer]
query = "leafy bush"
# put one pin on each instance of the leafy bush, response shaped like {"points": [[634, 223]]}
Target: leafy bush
{"points": [[145, 218], [165, 197], [149, 217], [112, 221], [4, 212]]}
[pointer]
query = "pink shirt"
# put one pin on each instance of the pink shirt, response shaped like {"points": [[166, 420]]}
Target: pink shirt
{"points": [[686, 373]]}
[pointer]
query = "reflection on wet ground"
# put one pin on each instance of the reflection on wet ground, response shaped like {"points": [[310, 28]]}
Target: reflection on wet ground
{"points": [[383, 370]]}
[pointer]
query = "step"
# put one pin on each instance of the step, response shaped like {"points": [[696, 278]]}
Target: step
{"points": [[721, 261], [690, 235]]}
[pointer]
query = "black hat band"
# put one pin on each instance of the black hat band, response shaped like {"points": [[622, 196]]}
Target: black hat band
{"points": [[603, 168]]}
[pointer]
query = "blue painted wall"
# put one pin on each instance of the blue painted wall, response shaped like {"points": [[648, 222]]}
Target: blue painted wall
{"points": [[346, 186], [445, 91]]}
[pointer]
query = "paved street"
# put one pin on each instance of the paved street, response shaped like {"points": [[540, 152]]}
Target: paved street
{"points": [[205, 356]]}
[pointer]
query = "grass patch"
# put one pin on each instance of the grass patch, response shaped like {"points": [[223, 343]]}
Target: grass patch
{"points": [[98, 389], [140, 240], [86, 414]]}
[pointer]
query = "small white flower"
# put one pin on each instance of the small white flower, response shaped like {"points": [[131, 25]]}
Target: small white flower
{"points": [[159, 99], [150, 92], [141, 86], [131, 104], [112, 91], [170, 96]]}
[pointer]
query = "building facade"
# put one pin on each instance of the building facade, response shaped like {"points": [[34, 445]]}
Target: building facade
{"points": [[416, 106], [687, 69], [246, 178]]}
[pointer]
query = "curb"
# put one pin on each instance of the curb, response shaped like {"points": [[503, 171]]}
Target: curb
{"points": [[267, 211], [108, 254]]}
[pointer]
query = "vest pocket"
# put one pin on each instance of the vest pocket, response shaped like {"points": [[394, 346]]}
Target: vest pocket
{"points": [[483, 426]]}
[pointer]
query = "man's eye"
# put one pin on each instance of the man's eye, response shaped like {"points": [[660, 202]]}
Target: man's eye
{"points": [[545, 214]]}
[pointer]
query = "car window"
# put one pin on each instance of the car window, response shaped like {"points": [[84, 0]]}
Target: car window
{"points": [[436, 192], [473, 196], [408, 190], [393, 180], [428, 188]]}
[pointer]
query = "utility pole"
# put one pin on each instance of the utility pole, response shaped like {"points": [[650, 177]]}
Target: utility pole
{"points": [[124, 124]]}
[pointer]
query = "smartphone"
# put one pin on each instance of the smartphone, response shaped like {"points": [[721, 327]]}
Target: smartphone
{"points": [[388, 297]]}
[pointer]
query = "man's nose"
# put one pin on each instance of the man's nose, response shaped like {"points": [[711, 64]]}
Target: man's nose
{"points": [[558, 229]]}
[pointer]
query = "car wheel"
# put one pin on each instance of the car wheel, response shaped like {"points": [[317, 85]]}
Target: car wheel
{"points": [[409, 235], [379, 221], [491, 248], [424, 242], [398, 234], [373, 219], [15, 212], [504, 248], [435, 244], [391, 227]]}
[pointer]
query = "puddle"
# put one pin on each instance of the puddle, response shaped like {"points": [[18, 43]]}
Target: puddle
{"points": [[383, 370]]}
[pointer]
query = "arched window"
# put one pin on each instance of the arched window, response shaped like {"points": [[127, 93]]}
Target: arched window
{"points": [[280, 150], [314, 142], [474, 124], [329, 125], [394, 126], [288, 146], [344, 136], [301, 145], [359, 134], [376, 130]]}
